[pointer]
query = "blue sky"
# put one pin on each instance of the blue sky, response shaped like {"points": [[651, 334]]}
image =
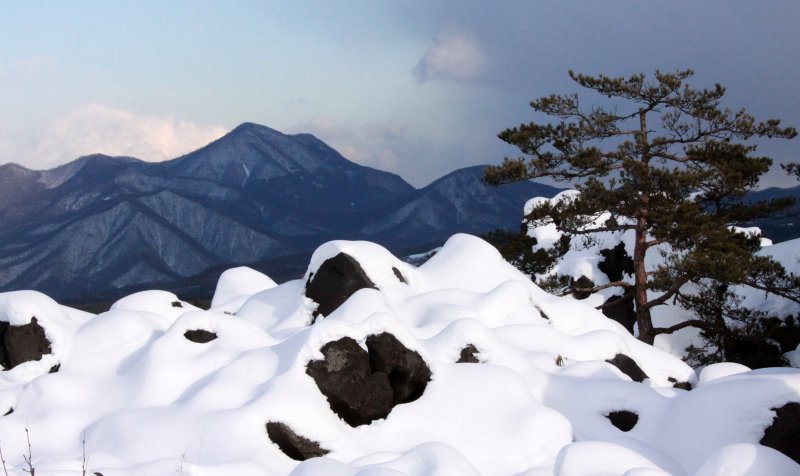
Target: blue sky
{"points": [[419, 88]]}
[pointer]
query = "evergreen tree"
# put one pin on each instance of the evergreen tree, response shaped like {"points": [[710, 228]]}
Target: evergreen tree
{"points": [[669, 164]]}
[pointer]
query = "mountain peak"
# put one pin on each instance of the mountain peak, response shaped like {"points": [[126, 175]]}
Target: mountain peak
{"points": [[252, 127]]}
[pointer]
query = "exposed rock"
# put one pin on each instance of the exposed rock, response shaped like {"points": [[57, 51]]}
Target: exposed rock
{"points": [[629, 367], [581, 283], [615, 263], [625, 420], [55, 368], [176, 304], [468, 355], [681, 385], [784, 432], [408, 373], [753, 352], [9, 412], [24, 343], [399, 275], [364, 386], [293, 445], [201, 336], [3, 352], [620, 309], [354, 393], [334, 282]]}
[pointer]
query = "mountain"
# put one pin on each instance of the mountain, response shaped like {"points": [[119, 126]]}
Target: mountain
{"points": [[458, 201], [101, 227], [786, 226]]}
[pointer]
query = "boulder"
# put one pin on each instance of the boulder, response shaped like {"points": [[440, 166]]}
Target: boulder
{"points": [[629, 367], [784, 432], [408, 373], [24, 343], [625, 420], [201, 336], [615, 263], [620, 309], [293, 445], [399, 275], [353, 391], [581, 283], [363, 386], [468, 355], [334, 282], [680, 385]]}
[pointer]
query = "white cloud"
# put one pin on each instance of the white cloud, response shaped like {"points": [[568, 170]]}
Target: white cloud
{"points": [[100, 129], [368, 145], [33, 64], [454, 55], [325, 128]]}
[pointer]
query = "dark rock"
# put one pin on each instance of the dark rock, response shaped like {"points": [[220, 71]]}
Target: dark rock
{"points": [[615, 263], [293, 445], [3, 352], [620, 309], [176, 304], [407, 371], [680, 385], [98, 474], [363, 386], [201, 336], [9, 412], [334, 282], [354, 392], [24, 343], [399, 275], [468, 355], [55, 368], [784, 432], [756, 352], [581, 283], [625, 420], [629, 367]]}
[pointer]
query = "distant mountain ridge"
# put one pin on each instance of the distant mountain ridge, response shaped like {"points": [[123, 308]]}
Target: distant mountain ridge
{"points": [[100, 227]]}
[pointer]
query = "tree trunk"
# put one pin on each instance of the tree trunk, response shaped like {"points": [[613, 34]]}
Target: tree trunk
{"points": [[643, 318]]}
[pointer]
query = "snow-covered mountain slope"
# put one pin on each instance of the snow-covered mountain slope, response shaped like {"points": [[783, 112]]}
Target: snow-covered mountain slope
{"points": [[102, 226], [461, 366], [458, 201]]}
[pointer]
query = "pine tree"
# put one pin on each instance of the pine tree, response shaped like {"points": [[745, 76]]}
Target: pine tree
{"points": [[669, 164]]}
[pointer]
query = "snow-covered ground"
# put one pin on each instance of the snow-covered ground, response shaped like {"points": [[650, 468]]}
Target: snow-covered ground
{"points": [[136, 396]]}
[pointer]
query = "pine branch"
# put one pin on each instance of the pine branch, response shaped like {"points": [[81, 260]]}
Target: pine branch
{"points": [[615, 284], [669, 293], [682, 325]]}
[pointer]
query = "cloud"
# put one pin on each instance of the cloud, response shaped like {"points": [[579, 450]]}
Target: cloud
{"points": [[388, 131], [325, 128], [370, 144], [454, 56], [33, 64], [101, 129]]}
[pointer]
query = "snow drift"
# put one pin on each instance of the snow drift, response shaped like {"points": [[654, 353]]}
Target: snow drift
{"points": [[504, 379]]}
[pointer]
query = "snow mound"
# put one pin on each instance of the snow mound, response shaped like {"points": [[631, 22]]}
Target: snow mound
{"points": [[156, 386], [236, 285]]}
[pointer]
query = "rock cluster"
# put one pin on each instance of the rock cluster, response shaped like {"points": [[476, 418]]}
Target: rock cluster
{"points": [[363, 386]]}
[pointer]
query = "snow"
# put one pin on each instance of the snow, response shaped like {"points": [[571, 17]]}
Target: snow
{"points": [[148, 401], [236, 285]]}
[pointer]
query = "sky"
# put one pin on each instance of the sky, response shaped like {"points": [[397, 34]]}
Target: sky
{"points": [[415, 87]]}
